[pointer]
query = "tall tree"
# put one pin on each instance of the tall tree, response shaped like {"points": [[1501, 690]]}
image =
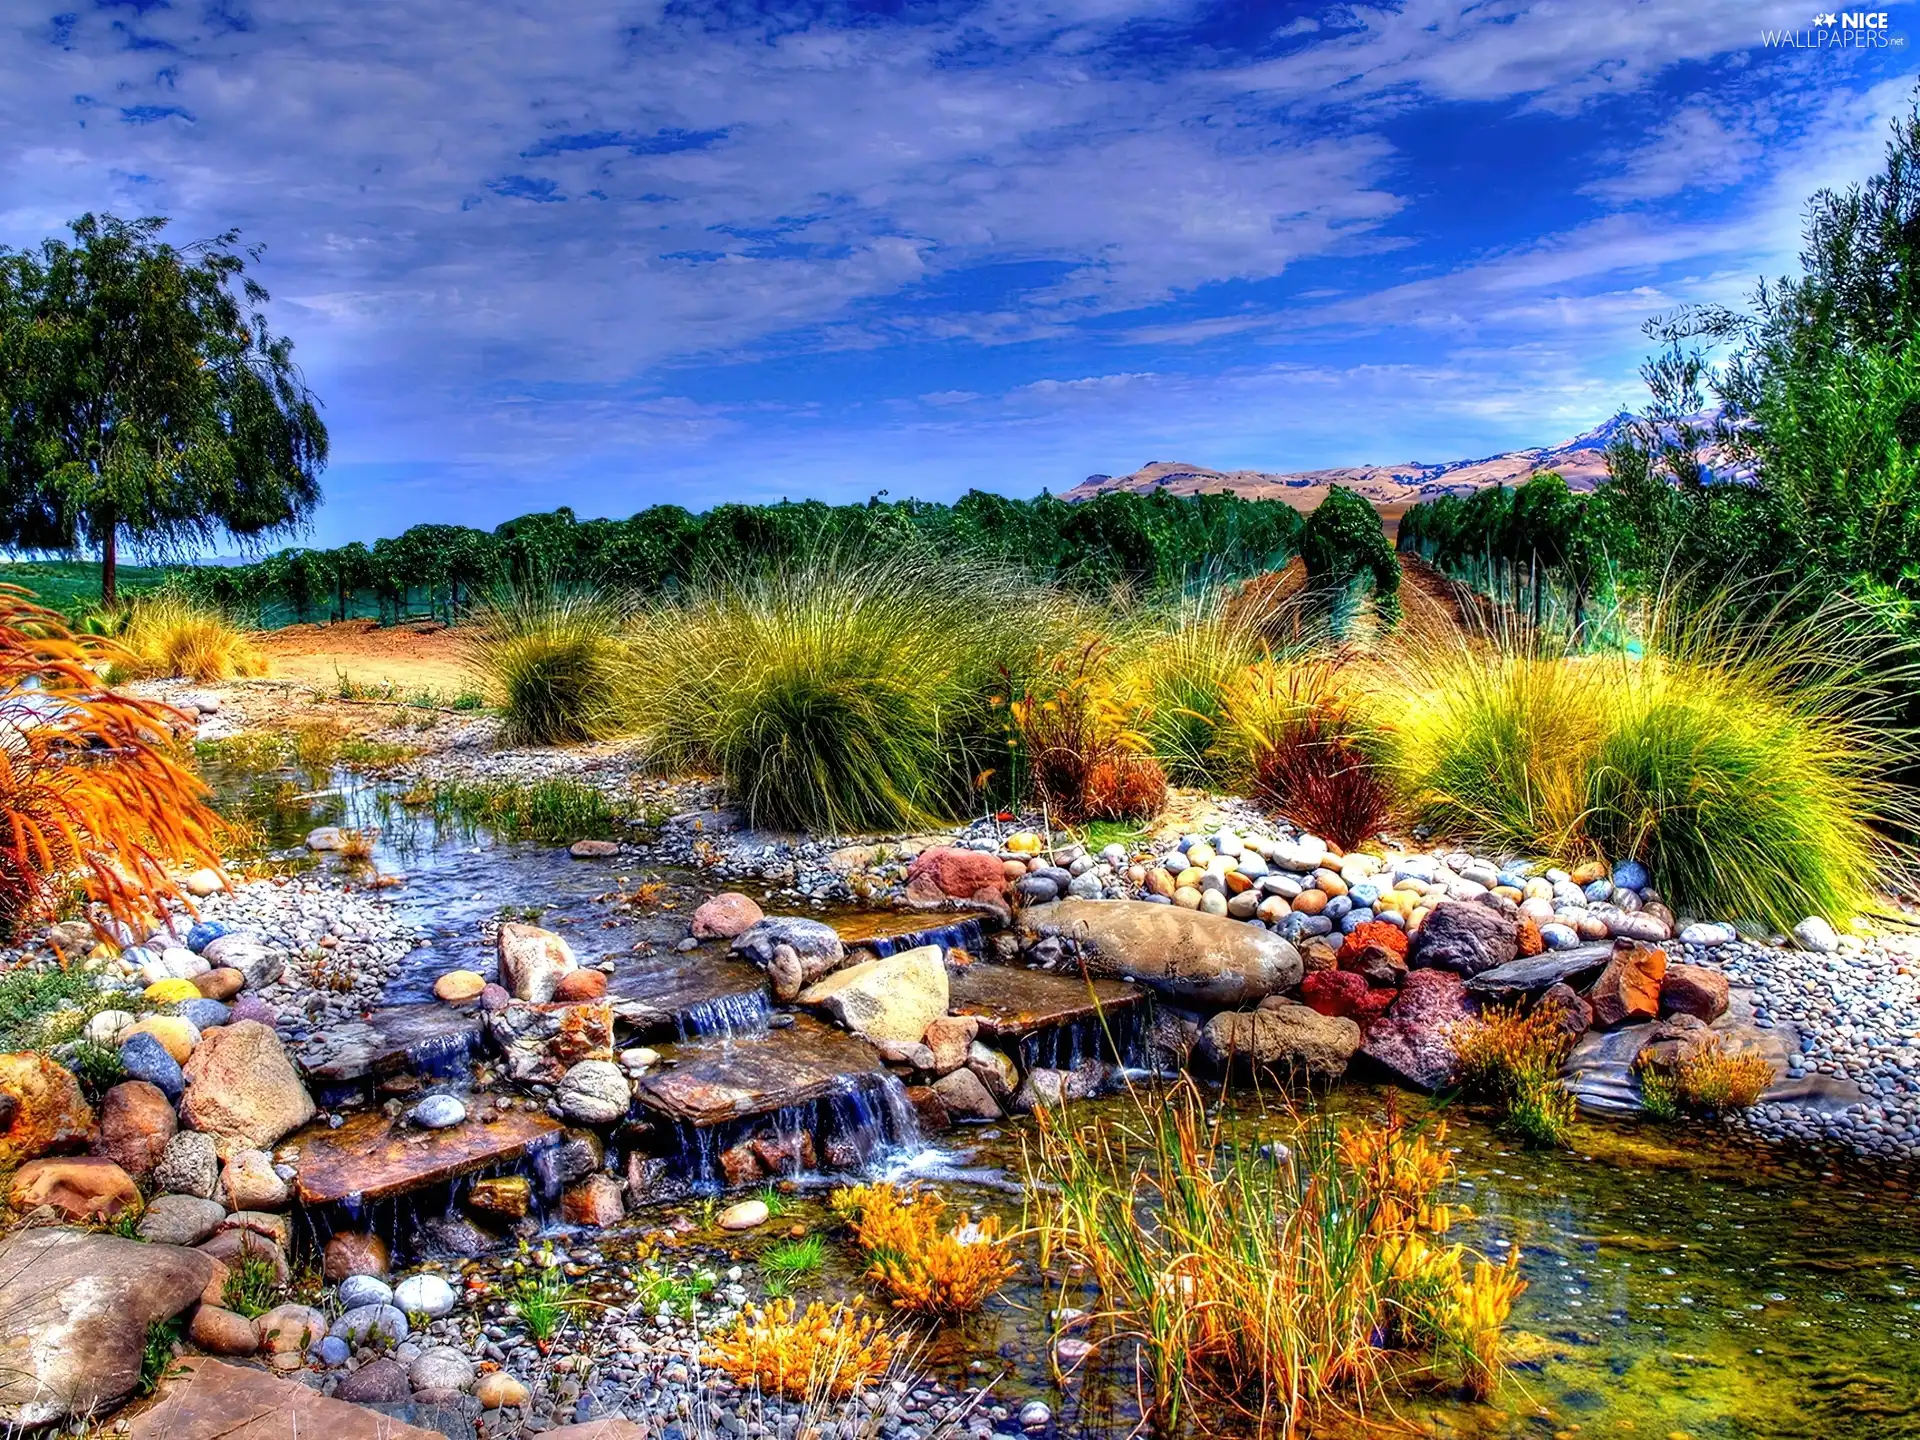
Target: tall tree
{"points": [[143, 396]]}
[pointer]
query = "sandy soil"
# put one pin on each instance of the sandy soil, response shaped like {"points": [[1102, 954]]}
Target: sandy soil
{"points": [[407, 659]]}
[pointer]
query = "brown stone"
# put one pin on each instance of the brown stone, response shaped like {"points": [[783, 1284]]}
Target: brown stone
{"points": [[214, 1292], [929, 1109], [1527, 939], [498, 1390], [223, 1332], [352, 1252], [507, 1196], [221, 983], [577, 985], [77, 1309], [946, 872], [949, 1036], [242, 1089], [787, 1154], [966, 1097], [596, 1201], [1696, 990], [236, 1402], [1571, 1013], [1294, 1041], [249, 1182], [1672, 1041], [1317, 955], [594, 849], [136, 1122], [723, 916], [740, 1166], [532, 961], [291, 1329], [374, 1157], [1629, 988], [584, 1030], [275, 1227], [42, 1106], [87, 1187]]}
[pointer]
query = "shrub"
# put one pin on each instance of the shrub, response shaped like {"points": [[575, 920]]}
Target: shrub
{"points": [[1514, 1060], [88, 779], [1183, 666], [550, 659], [1267, 1284], [1313, 757], [928, 1271], [1125, 786], [166, 634], [1711, 1079], [815, 1354], [836, 695]]}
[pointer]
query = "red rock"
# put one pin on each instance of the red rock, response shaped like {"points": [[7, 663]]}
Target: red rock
{"points": [[723, 916], [784, 1154], [1390, 938], [578, 985], [1696, 990], [136, 1122], [740, 1166], [1334, 992], [597, 1201], [353, 1253], [1629, 988], [929, 1109], [1527, 939], [82, 1188], [237, 1402], [42, 1107], [1413, 1041], [947, 872]]}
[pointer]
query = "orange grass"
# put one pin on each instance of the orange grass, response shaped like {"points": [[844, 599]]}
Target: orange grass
{"points": [[927, 1270]]}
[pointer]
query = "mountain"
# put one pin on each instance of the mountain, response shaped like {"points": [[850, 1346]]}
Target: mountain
{"points": [[1392, 488]]}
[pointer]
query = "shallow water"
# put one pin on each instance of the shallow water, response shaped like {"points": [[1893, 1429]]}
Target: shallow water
{"points": [[1679, 1282]]}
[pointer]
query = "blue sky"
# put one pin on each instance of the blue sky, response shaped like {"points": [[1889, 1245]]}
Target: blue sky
{"points": [[610, 255]]}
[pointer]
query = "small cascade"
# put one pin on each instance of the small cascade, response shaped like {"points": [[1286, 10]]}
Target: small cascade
{"points": [[726, 1017], [446, 1056], [862, 1123], [1117, 1037], [968, 935]]}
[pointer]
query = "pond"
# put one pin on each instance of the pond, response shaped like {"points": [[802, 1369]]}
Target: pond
{"points": [[1680, 1282]]}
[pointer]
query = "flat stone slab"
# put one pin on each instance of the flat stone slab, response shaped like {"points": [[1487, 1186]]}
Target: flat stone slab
{"points": [[680, 995], [372, 1157], [1011, 1004], [1535, 973], [712, 1083], [401, 1039], [212, 1400]]}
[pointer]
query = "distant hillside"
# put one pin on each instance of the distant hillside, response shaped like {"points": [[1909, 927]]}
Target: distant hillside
{"points": [[1392, 488]]}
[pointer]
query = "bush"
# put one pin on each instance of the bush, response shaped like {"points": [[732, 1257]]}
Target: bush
{"points": [[836, 696], [168, 635], [1514, 1059], [806, 1356], [1314, 758], [550, 659], [88, 780], [1072, 741], [1183, 667], [1710, 1080], [1125, 786], [928, 1271]]}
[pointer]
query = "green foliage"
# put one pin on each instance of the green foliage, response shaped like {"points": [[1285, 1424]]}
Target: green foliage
{"points": [[96, 1067], [551, 660], [837, 696], [1343, 541], [145, 396], [73, 587], [252, 1287], [156, 1355], [550, 810], [660, 1288], [1185, 663], [539, 1295], [794, 1260], [42, 1007]]}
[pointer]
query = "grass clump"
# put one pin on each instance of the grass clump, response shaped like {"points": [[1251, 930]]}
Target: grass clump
{"points": [[550, 660], [792, 1261], [549, 810], [1513, 1059], [539, 1295], [834, 695], [1710, 1079], [1072, 741], [167, 635], [1184, 664], [156, 1354], [252, 1287], [928, 1271], [807, 1355], [1312, 754], [1268, 1285]]}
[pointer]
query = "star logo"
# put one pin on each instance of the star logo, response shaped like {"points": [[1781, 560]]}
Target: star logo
{"points": [[1824, 21]]}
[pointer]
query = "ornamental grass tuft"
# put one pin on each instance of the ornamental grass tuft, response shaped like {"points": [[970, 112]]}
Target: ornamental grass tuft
{"points": [[549, 658], [167, 635], [810, 1355], [928, 1271]]}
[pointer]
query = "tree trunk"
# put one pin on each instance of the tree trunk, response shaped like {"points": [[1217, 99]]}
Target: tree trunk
{"points": [[109, 567]]}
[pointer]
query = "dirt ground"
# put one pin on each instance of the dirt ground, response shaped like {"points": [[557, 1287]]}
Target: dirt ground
{"points": [[407, 659]]}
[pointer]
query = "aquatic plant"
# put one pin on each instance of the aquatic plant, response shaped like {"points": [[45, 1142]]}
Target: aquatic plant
{"points": [[551, 810], [793, 1260], [539, 1294], [1711, 1078], [550, 659], [168, 635], [806, 1356], [927, 1270], [89, 779], [1513, 1058], [1264, 1284], [836, 695]]}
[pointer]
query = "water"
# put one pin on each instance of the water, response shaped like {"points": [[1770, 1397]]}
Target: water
{"points": [[1679, 1282]]}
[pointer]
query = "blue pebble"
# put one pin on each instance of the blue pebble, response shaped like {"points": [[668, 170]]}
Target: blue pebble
{"points": [[1338, 906], [1514, 879], [1598, 890], [203, 1014], [1364, 894], [139, 955], [332, 1352], [1559, 937], [1354, 919], [145, 1058], [1158, 899], [1631, 875], [204, 934]]}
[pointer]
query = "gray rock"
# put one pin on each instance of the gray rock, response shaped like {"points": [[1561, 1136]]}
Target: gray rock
{"points": [[188, 1166], [441, 1367], [1464, 937], [358, 1292], [381, 1381], [376, 1325], [180, 1219], [1534, 974], [427, 1295], [438, 1112], [594, 1092], [1185, 954], [1815, 934]]}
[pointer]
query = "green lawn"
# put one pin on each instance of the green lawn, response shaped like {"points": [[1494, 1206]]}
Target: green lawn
{"points": [[74, 585]]}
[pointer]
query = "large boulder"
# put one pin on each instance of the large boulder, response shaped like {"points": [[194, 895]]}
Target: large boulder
{"points": [[1465, 937], [242, 1088], [1413, 1044], [1295, 1041], [1628, 990], [75, 1308], [794, 951], [895, 998], [42, 1108], [1206, 960], [1696, 990], [947, 872], [532, 961], [136, 1122], [86, 1187], [724, 916]]}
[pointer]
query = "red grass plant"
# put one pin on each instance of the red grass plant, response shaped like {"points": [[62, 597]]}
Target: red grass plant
{"points": [[90, 786], [1082, 760]]}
